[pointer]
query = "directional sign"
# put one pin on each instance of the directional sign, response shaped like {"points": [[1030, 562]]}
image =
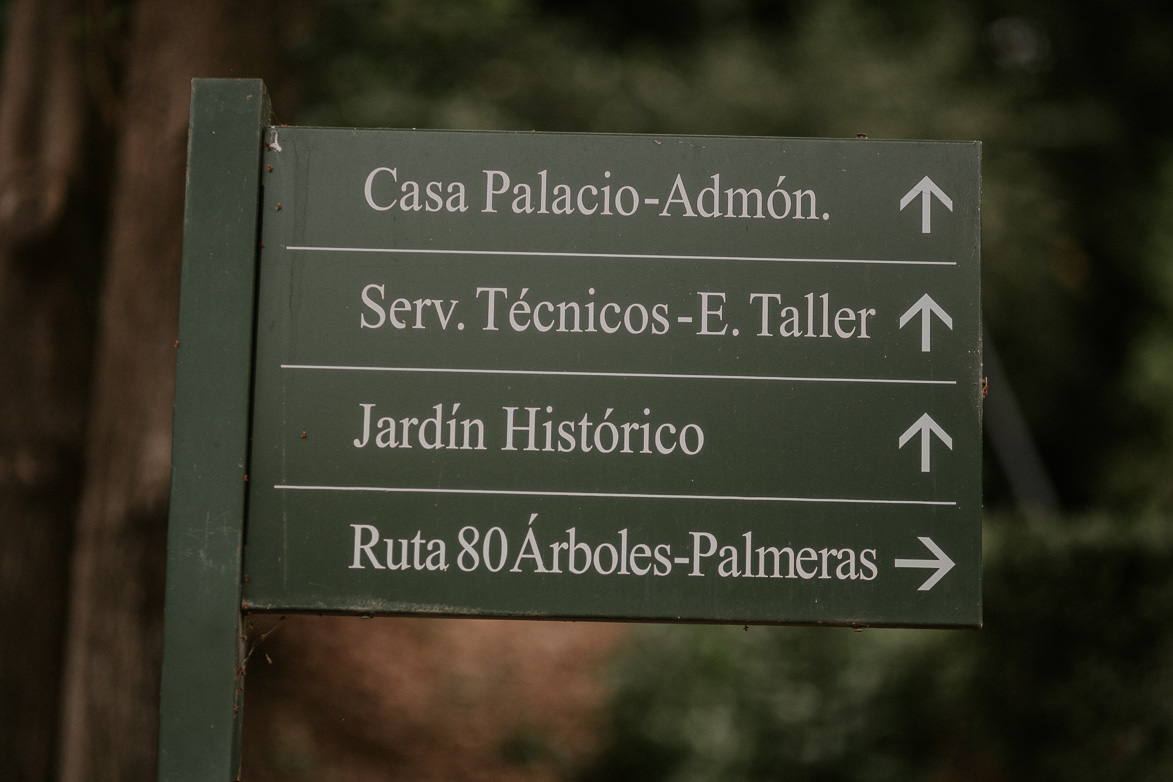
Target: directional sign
{"points": [[617, 377]]}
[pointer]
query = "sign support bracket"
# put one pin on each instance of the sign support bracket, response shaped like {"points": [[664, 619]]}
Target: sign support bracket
{"points": [[203, 646]]}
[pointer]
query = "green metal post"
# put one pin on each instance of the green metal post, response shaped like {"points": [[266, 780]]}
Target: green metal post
{"points": [[200, 720]]}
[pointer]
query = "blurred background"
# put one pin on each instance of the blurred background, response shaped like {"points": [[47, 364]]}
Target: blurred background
{"points": [[1070, 679]]}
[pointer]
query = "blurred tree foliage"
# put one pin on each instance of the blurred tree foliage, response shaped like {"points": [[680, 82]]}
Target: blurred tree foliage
{"points": [[1066, 96], [1069, 682], [1071, 678], [1144, 464]]}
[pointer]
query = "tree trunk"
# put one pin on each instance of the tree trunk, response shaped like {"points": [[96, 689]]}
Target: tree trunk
{"points": [[58, 421], [50, 229], [115, 619], [85, 435]]}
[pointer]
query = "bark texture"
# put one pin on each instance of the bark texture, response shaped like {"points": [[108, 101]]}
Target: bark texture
{"points": [[92, 154], [114, 644], [49, 235], [92, 157]]}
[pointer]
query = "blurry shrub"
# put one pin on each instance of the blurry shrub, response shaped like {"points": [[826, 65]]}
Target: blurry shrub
{"points": [[1070, 679], [1143, 462]]}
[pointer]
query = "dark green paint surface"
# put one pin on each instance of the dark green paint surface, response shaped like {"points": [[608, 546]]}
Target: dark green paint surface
{"points": [[801, 433], [199, 714]]}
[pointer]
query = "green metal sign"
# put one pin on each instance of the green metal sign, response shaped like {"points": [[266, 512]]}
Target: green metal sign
{"points": [[617, 377], [610, 377]]}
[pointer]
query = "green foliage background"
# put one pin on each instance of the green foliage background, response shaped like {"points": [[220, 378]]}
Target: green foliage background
{"points": [[1068, 99], [1070, 679]]}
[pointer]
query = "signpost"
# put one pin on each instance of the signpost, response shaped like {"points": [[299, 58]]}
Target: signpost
{"points": [[614, 377], [621, 377]]}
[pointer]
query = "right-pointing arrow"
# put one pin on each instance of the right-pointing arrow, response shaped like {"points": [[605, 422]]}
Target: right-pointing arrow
{"points": [[942, 564], [925, 426], [926, 308]]}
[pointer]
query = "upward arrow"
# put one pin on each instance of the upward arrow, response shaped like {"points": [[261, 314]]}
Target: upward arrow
{"points": [[926, 188], [926, 307], [925, 426]]}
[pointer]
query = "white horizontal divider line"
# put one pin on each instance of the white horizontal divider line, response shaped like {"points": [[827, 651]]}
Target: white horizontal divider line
{"points": [[608, 495], [629, 256], [639, 375]]}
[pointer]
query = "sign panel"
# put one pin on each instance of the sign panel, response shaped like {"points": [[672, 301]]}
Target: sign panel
{"points": [[594, 376]]}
